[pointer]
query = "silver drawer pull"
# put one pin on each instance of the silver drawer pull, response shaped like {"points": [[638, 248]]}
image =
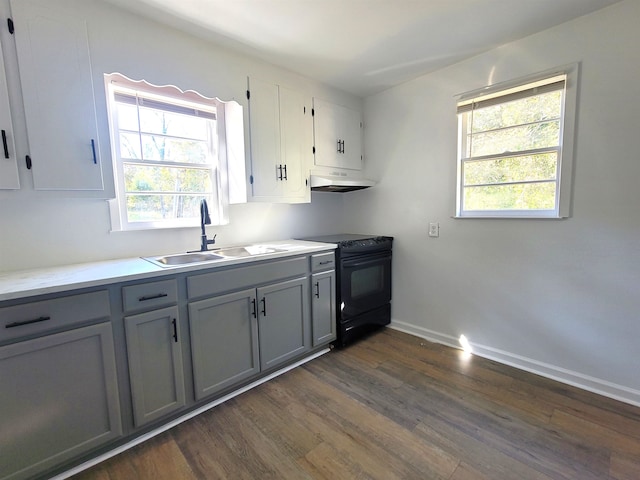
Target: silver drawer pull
{"points": [[153, 297], [26, 322], [325, 262]]}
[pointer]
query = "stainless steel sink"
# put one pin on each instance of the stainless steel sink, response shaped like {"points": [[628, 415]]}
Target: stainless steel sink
{"points": [[249, 251], [204, 257], [184, 259]]}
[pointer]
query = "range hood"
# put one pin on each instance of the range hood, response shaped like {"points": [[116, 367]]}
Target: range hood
{"points": [[330, 183]]}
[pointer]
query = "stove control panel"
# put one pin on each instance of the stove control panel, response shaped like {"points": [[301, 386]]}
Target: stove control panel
{"points": [[366, 244]]}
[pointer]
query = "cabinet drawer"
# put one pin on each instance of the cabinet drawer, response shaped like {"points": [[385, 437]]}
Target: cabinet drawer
{"points": [[34, 318], [223, 281], [323, 261], [149, 295]]}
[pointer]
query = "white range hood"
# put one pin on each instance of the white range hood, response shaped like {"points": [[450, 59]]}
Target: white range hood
{"points": [[330, 183]]}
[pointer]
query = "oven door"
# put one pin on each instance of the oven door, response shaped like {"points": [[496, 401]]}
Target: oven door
{"points": [[365, 283]]}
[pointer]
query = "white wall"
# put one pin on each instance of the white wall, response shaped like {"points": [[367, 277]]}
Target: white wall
{"points": [[558, 297], [42, 229]]}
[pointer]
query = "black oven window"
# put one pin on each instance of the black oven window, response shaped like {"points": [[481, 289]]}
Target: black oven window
{"points": [[367, 281]]}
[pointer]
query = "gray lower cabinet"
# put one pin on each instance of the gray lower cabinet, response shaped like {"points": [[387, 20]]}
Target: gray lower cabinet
{"points": [[323, 307], [224, 341], [283, 321], [156, 373], [59, 399]]}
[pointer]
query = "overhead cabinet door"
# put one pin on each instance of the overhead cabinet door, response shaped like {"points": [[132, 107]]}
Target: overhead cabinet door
{"points": [[55, 71], [8, 165], [281, 143], [338, 136]]}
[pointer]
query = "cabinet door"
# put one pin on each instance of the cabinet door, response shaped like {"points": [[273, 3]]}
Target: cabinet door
{"points": [[224, 341], [155, 364], [59, 399], [8, 161], [264, 123], [281, 129], [296, 132], [283, 321], [351, 134], [337, 136], [323, 307], [57, 88]]}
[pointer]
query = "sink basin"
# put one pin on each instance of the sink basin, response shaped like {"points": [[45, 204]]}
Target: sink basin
{"points": [[203, 257], [250, 251], [183, 259]]}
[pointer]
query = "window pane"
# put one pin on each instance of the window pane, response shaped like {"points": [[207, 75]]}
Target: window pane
{"points": [[127, 117], [130, 146], [154, 208], [515, 139], [527, 196], [151, 178], [537, 108], [167, 149], [511, 169], [173, 124]]}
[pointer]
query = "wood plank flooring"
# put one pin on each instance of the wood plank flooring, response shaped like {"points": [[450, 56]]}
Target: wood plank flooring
{"points": [[395, 406]]}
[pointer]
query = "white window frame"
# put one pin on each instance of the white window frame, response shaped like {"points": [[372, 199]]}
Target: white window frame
{"points": [[562, 208], [227, 174]]}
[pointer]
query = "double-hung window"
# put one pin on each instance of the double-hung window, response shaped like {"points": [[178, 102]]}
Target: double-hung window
{"points": [[515, 148], [170, 153]]}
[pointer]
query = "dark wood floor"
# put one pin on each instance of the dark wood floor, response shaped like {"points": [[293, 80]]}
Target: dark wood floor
{"points": [[396, 407]]}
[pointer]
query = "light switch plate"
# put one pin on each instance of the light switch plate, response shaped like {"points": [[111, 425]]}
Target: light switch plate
{"points": [[434, 229]]}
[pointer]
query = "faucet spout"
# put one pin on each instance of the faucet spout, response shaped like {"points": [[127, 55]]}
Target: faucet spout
{"points": [[205, 220]]}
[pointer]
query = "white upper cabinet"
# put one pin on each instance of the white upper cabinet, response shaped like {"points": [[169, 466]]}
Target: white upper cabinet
{"points": [[281, 131], [338, 136], [57, 88], [8, 164]]}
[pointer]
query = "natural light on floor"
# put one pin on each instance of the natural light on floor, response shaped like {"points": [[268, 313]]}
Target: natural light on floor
{"points": [[466, 346]]}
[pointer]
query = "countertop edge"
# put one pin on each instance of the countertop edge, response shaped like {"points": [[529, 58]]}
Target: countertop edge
{"points": [[34, 282]]}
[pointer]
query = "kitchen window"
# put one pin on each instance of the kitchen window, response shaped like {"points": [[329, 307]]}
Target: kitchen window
{"points": [[515, 148], [171, 150]]}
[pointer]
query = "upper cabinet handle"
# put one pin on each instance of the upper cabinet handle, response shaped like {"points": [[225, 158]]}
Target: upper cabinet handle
{"points": [[285, 172], [339, 144], [93, 149], [4, 144]]}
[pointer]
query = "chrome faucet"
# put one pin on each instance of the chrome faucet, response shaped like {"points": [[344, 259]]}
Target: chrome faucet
{"points": [[205, 220]]}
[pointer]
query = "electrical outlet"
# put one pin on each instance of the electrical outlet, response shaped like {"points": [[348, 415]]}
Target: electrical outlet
{"points": [[434, 229]]}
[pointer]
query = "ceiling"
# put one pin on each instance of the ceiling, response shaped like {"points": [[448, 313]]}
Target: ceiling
{"points": [[362, 46]]}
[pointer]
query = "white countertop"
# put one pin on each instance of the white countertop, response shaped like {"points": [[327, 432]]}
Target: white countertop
{"points": [[29, 283]]}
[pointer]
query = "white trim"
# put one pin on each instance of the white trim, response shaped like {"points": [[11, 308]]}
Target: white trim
{"points": [[142, 438], [554, 372]]}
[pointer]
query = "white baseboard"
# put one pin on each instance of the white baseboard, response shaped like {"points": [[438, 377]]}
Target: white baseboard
{"points": [[576, 379]]}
